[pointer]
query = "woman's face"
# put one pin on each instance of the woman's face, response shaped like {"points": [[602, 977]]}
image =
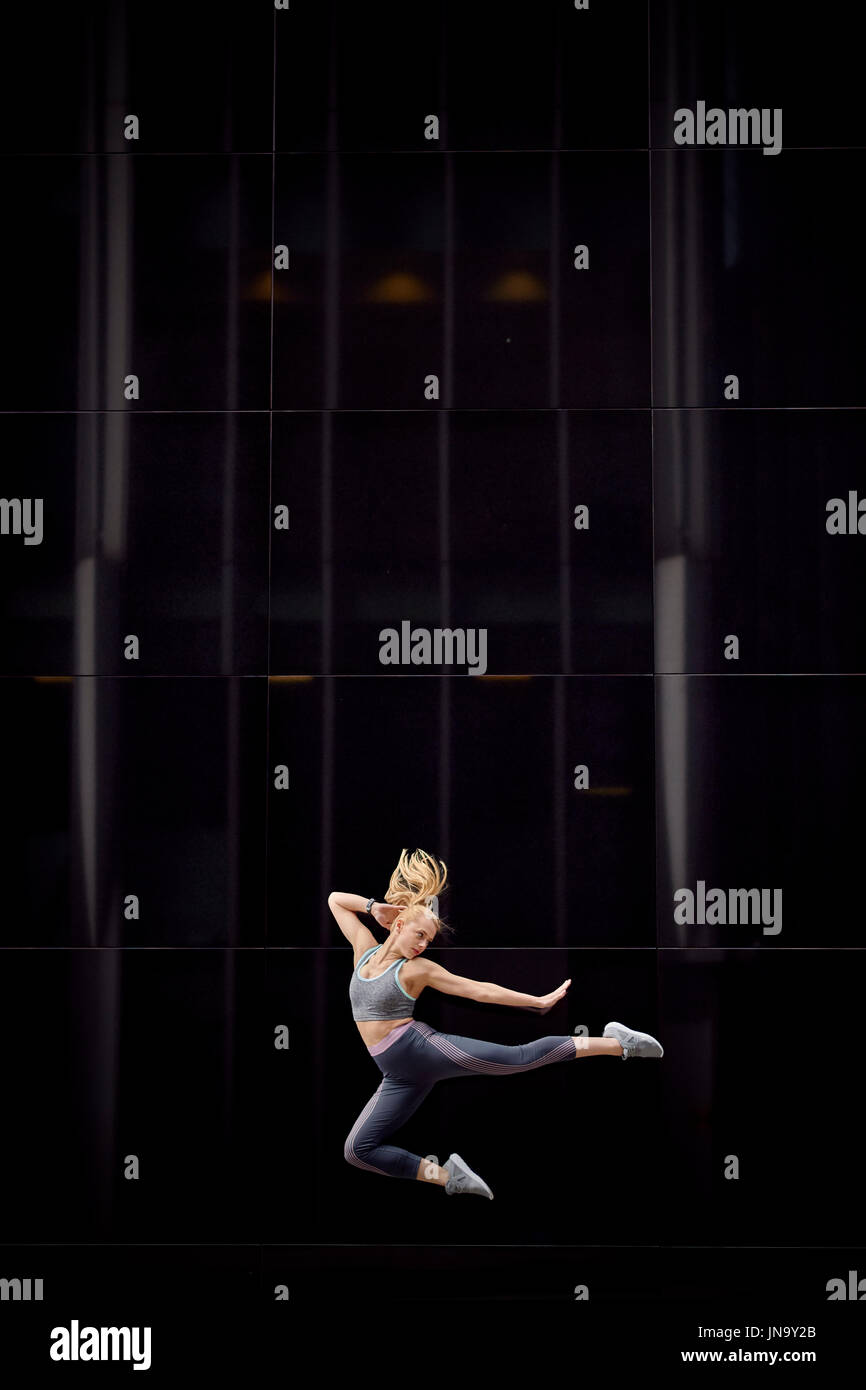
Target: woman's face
{"points": [[416, 935]]}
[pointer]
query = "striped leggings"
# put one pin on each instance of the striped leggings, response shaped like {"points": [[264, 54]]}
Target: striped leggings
{"points": [[412, 1058]]}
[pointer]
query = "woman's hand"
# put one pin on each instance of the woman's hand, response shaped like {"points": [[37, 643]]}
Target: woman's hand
{"points": [[384, 914], [547, 1001]]}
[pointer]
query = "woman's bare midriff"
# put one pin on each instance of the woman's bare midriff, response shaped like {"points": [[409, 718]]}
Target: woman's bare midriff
{"points": [[375, 1029]]}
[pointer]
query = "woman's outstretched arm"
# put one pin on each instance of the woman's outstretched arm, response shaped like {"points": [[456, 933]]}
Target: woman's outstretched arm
{"points": [[434, 976]]}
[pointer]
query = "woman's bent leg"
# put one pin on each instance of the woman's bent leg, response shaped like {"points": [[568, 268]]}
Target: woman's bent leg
{"points": [[389, 1107]]}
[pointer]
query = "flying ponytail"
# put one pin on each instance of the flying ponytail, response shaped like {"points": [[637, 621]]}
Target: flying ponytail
{"points": [[415, 885]]}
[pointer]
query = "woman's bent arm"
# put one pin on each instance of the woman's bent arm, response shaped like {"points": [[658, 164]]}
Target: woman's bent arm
{"points": [[350, 901], [347, 919], [345, 908]]}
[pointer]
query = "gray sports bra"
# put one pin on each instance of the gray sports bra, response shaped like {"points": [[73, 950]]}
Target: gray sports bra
{"points": [[382, 997]]}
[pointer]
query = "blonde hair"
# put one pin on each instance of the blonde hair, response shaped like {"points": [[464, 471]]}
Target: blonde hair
{"points": [[415, 886]]}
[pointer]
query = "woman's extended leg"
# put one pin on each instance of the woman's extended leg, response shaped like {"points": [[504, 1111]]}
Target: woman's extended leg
{"points": [[473, 1056], [389, 1107]]}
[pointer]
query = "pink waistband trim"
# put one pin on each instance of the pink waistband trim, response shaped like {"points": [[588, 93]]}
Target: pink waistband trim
{"points": [[391, 1037]]}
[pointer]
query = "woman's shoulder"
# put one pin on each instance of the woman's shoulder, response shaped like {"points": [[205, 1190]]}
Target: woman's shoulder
{"points": [[414, 975], [364, 943]]}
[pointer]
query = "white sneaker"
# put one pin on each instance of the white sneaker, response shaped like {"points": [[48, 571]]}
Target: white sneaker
{"points": [[462, 1178], [633, 1044]]}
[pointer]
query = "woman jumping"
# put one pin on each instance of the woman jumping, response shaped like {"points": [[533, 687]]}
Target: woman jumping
{"points": [[411, 1055]]}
